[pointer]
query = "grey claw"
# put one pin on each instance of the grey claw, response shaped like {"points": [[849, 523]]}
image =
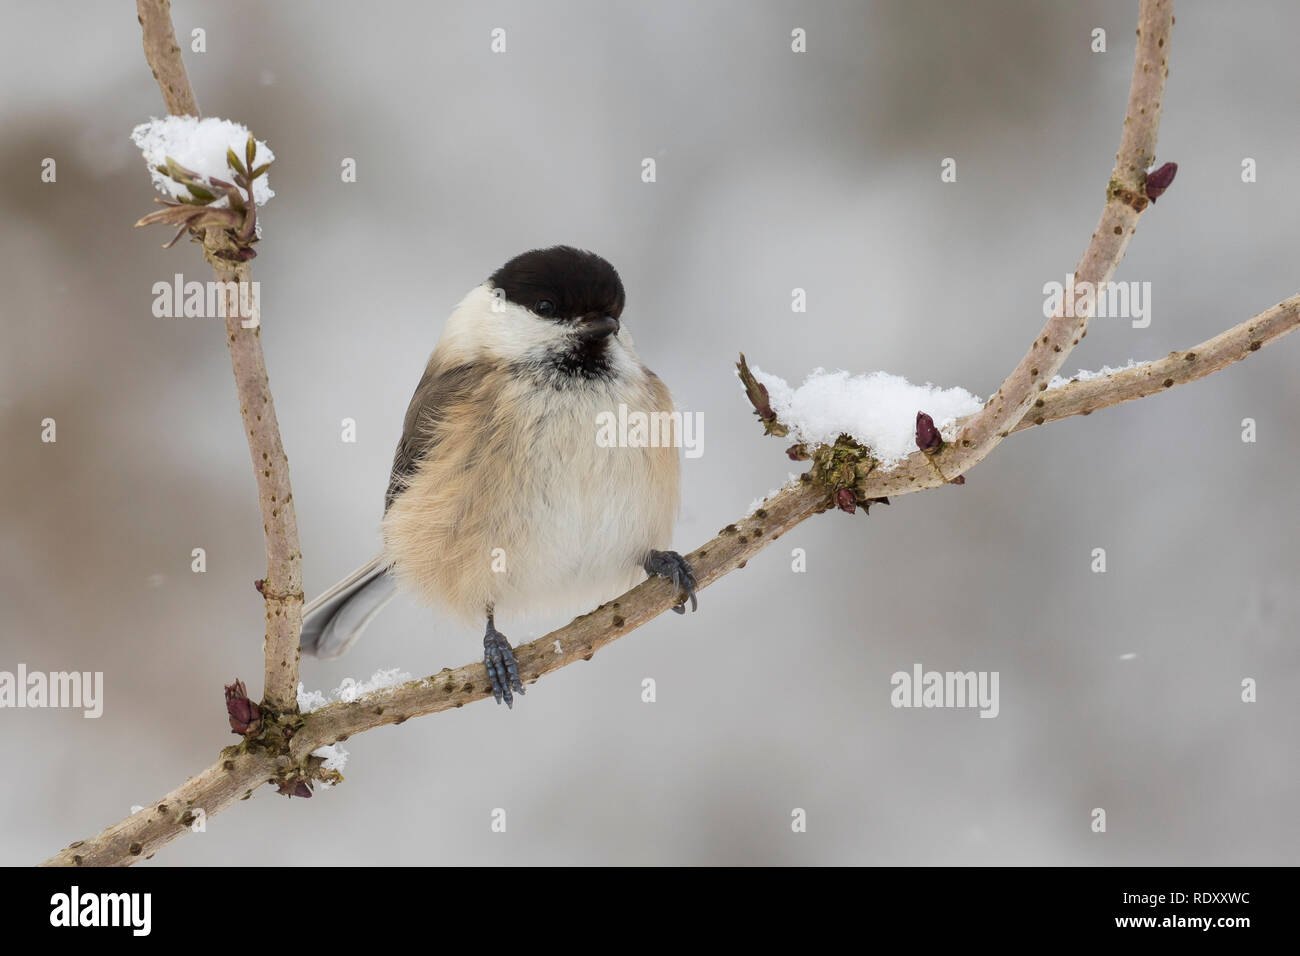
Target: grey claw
{"points": [[502, 667], [671, 565]]}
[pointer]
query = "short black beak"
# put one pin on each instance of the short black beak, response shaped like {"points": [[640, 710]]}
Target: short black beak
{"points": [[597, 327]]}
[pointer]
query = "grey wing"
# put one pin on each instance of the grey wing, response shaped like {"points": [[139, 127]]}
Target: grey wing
{"points": [[437, 390], [334, 621]]}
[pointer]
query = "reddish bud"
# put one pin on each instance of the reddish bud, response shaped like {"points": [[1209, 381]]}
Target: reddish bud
{"points": [[1158, 180], [797, 452], [928, 438], [846, 500], [295, 788], [245, 716], [758, 397]]}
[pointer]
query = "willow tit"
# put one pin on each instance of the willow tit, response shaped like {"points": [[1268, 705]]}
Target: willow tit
{"points": [[501, 499]]}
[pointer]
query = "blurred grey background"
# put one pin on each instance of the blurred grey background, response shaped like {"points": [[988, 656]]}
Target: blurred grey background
{"points": [[775, 171]]}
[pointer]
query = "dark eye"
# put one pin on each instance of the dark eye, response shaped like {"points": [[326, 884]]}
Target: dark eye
{"points": [[544, 307]]}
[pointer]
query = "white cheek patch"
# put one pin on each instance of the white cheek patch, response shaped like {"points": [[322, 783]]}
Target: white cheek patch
{"points": [[486, 327]]}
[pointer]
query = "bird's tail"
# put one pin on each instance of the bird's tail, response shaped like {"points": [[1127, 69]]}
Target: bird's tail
{"points": [[332, 622]]}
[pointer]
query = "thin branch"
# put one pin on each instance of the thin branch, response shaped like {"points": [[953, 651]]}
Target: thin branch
{"points": [[164, 56], [139, 836], [282, 587], [1125, 201], [1177, 368]]}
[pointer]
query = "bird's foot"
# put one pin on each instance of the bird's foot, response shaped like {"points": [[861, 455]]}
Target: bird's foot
{"points": [[671, 565], [502, 668]]}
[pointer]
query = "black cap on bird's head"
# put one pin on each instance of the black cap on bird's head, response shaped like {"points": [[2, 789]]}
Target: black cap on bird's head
{"points": [[564, 284]]}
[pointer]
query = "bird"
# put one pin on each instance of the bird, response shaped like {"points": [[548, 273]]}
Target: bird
{"points": [[501, 501]]}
